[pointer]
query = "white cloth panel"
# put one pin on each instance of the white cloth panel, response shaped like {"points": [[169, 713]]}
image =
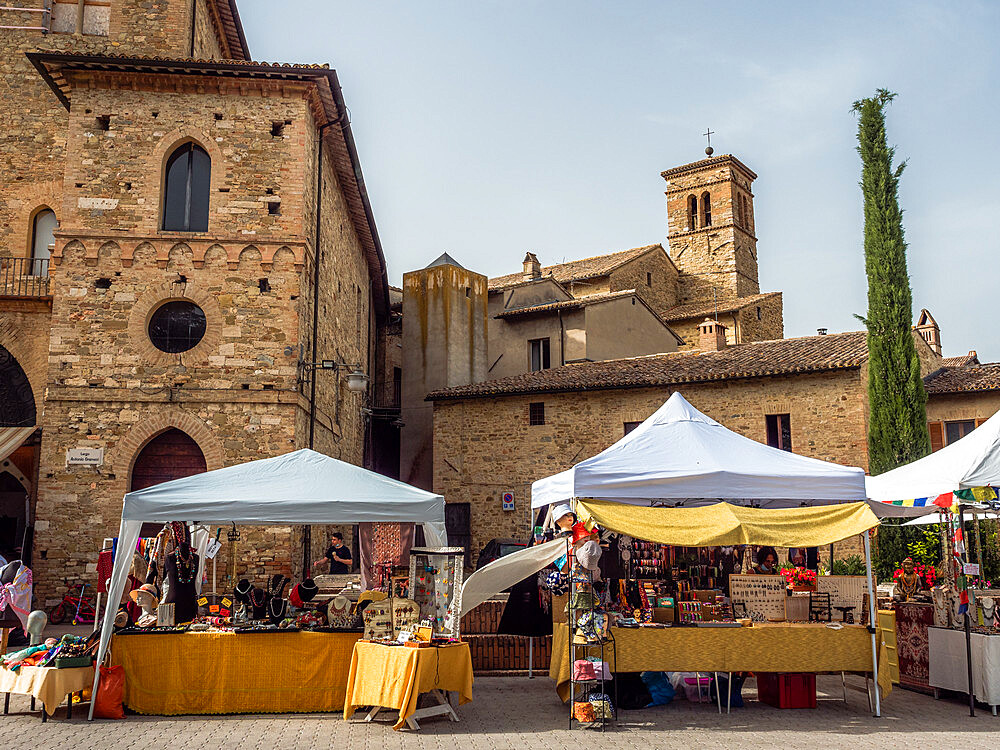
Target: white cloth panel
{"points": [[11, 439], [504, 572]]}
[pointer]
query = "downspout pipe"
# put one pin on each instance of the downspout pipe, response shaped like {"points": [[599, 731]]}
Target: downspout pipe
{"points": [[307, 530]]}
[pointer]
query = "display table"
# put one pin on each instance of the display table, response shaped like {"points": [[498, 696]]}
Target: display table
{"points": [[232, 673], [771, 647], [393, 677], [47, 684], [948, 666], [912, 621]]}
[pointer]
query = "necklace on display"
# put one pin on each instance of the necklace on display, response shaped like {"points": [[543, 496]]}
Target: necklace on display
{"points": [[253, 598], [185, 567]]}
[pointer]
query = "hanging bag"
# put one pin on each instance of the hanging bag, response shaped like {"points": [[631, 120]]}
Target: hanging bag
{"points": [[110, 693]]}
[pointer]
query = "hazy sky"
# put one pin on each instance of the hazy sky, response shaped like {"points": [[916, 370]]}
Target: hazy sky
{"points": [[489, 128]]}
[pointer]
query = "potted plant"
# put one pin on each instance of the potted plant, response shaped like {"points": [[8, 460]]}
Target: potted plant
{"points": [[800, 579]]}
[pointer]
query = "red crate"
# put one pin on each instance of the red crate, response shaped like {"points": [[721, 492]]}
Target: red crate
{"points": [[787, 689]]}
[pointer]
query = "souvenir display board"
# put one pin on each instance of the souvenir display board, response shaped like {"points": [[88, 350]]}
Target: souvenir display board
{"points": [[436, 586], [763, 596], [845, 591]]}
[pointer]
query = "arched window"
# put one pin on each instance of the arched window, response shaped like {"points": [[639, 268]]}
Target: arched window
{"points": [[186, 189], [692, 213], [42, 239], [706, 209]]}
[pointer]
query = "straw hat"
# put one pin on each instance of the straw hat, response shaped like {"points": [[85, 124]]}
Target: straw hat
{"points": [[146, 589]]}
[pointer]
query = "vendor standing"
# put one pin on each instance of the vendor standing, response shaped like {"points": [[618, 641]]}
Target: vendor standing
{"points": [[767, 561], [339, 555]]}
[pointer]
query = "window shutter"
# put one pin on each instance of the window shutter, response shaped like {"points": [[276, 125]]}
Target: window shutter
{"points": [[980, 421], [936, 430]]}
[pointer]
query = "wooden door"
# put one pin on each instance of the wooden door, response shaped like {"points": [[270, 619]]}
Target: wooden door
{"points": [[170, 455]]}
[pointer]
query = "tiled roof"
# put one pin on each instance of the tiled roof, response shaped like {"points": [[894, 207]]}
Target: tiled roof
{"points": [[838, 351], [967, 378], [589, 299], [232, 27], [703, 309], [962, 361], [577, 270]]}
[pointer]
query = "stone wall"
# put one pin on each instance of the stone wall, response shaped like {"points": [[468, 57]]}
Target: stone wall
{"points": [[948, 407], [484, 447], [661, 291], [768, 325]]}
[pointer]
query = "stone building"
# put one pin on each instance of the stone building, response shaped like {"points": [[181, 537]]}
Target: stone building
{"points": [[184, 233], [497, 435]]}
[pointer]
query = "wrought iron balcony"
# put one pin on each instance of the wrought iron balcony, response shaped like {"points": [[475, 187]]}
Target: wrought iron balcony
{"points": [[24, 277], [386, 395]]}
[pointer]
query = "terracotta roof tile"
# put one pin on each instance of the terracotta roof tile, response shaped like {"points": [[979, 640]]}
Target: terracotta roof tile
{"points": [[577, 270], [838, 351], [702, 309], [961, 361], [966, 378]]}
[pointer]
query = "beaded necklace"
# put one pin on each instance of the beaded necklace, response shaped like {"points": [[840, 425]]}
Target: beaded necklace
{"points": [[185, 567], [253, 599]]}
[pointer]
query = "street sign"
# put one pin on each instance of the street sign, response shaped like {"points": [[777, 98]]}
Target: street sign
{"points": [[508, 501], [85, 456]]}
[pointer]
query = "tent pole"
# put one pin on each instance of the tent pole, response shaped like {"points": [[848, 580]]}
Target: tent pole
{"points": [[961, 558], [871, 619]]}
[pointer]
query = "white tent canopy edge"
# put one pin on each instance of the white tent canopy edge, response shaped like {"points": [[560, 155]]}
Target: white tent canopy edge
{"points": [[302, 487]]}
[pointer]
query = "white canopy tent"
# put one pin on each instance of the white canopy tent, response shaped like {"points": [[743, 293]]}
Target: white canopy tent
{"points": [[970, 463], [680, 455], [302, 487]]}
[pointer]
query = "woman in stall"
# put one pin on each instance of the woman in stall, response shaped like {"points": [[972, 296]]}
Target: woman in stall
{"points": [[767, 562]]}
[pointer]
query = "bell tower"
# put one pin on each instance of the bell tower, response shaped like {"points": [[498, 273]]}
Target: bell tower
{"points": [[710, 228]]}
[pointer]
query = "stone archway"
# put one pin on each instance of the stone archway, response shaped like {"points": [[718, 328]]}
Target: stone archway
{"points": [[17, 400]]}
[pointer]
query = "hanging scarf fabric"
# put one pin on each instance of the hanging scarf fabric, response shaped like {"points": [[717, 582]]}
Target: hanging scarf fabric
{"points": [[961, 583], [17, 594]]}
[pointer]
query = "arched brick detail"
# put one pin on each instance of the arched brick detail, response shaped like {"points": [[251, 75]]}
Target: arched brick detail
{"points": [[138, 323], [128, 448], [28, 343]]}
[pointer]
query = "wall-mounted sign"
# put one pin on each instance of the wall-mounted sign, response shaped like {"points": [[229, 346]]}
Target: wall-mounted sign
{"points": [[971, 569], [85, 456], [508, 501]]}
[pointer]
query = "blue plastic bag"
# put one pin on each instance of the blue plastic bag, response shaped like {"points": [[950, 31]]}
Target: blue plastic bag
{"points": [[659, 687]]}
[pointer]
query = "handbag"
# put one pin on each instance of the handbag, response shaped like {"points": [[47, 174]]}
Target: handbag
{"points": [[603, 708], [583, 670], [110, 691], [583, 711]]}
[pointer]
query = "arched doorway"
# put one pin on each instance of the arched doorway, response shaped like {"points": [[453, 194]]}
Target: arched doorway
{"points": [[13, 513], [17, 402], [172, 454]]}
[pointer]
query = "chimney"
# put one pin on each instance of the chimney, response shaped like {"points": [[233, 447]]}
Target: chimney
{"points": [[711, 336], [821, 332], [929, 331], [532, 268]]}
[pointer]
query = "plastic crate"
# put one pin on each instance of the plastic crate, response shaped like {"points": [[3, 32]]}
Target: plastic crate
{"points": [[787, 689], [66, 662], [698, 689]]}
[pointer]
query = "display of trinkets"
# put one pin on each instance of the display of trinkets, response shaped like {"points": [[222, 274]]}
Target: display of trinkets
{"points": [[436, 586]]}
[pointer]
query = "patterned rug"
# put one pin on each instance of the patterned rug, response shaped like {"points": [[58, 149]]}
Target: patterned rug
{"points": [[911, 643]]}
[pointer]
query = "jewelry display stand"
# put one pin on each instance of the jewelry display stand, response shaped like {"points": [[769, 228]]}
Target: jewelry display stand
{"points": [[604, 644], [436, 586]]}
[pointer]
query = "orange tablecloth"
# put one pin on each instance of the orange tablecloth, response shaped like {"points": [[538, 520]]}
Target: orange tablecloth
{"points": [[233, 673], [47, 684], [393, 676]]}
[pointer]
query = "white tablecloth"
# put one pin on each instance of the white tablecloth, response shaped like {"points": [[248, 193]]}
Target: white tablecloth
{"points": [[948, 663]]}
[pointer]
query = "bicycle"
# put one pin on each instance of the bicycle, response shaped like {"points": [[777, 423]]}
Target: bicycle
{"points": [[75, 601]]}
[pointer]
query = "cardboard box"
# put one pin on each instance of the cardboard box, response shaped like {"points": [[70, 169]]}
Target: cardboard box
{"points": [[663, 614]]}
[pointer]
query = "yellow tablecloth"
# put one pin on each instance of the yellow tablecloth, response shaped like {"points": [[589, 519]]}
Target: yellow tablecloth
{"points": [[234, 673], [774, 647], [47, 684], [393, 676]]}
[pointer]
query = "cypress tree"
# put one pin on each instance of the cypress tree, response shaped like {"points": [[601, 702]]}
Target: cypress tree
{"points": [[897, 420]]}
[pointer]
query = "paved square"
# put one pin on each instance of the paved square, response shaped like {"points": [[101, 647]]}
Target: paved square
{"points": [[514, 712]]}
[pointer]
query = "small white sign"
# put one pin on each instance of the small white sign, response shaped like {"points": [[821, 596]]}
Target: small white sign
{"points": [[971, 569], [508, 501], [85, 456], [103, 204], [214, 545]]}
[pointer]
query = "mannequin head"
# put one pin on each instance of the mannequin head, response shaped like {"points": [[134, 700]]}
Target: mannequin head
{"points": [[147, 597], [563, 517], [37, 621], [9, 571]]}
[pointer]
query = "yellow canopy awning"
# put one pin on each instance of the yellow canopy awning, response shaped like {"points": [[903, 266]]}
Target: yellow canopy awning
{"points": [[724, 524]]}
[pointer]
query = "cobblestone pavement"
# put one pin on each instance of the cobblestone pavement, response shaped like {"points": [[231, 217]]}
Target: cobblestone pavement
{"points": [[514, 712]]}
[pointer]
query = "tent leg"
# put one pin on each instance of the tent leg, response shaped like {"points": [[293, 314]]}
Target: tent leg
{"points": [[531, 657], [962, 557], [871, 619]]}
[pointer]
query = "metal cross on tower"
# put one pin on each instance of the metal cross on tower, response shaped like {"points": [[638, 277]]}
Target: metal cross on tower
{"points": [[708, 134]]}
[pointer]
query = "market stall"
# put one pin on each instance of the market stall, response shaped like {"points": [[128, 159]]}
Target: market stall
{"points": [[302, 487], [958, 482], [654, 485]]}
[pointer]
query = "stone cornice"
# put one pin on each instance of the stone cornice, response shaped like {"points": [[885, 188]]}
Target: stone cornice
{"points": [[163, 242], [713, 227], [712, 161]]}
